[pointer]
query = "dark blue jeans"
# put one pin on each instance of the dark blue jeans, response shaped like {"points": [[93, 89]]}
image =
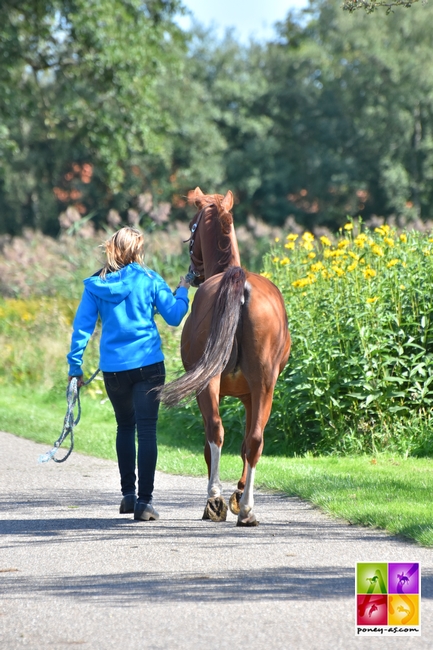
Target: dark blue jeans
{"points": [[136, 407]]}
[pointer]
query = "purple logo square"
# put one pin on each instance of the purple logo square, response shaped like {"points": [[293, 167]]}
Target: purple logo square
{"points": [[403, 578]]}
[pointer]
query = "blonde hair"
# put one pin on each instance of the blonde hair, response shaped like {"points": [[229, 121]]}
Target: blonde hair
{"points": [[122, 248]]}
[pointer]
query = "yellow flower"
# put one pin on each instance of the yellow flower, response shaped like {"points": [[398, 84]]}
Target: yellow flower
{"points": [[402, 287], [290, 246], [370, 300], [284, 261], [300, 284], [307, 236], [377, 250], [277, 239], [276, 259], [369, 273], [392, 263], [343, 243], [338, 271], [426, 251], [348, 226], [318, 266], [325, 241], [389, 241], [308, 245], [292, 237], [354, 255], [403, 238], [265, 274], [311, 256], [383, 230], [352, 266], [360, 240]]}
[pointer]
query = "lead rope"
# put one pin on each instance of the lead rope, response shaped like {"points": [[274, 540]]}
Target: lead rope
{"points": [[72, 398]]}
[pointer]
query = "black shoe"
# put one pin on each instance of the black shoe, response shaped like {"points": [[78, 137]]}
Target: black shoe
{"points": [[145, 512], [128, 504]]}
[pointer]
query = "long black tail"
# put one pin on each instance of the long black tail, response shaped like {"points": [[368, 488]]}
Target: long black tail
{"points": [[226, 314]]}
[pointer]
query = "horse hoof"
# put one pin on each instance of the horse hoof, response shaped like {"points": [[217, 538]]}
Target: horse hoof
{"points": [[216, 509], [247, 521], [234, 502]]}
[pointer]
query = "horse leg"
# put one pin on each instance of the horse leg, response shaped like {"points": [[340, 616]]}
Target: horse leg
{"points": [[208, 401], [237, 494], [260, 412]]}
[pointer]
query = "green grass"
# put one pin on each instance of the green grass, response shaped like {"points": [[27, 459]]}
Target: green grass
{"points": [[391, 493]]}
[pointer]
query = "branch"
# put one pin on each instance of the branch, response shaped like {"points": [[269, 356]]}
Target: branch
{"points": [[371, 5]]}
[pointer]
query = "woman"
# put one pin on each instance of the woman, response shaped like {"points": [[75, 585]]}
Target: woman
{"points": [[126, 295]]}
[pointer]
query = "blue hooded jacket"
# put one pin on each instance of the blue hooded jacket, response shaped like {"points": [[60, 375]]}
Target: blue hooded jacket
{"points": [[126, 302]]}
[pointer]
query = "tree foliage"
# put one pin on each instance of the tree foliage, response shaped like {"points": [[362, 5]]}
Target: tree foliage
{"points": [[371, 5], [106, 105], [77, 87]]}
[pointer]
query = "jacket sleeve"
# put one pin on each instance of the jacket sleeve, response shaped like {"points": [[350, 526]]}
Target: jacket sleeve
{"points": [[171, 307], [83, 327]]}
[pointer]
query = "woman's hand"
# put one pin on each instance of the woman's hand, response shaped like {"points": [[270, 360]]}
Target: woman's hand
{"points": [[80, 380], [183, 283]]}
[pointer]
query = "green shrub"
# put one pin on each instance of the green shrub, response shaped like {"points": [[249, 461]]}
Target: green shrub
{"points": [[360, 374]]}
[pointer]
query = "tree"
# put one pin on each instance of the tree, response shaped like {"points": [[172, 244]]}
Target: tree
{"points": [[78, 101], [350, 102]]}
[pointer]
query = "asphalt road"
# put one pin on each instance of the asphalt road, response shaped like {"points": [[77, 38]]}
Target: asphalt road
{"points": [[73, 572]]}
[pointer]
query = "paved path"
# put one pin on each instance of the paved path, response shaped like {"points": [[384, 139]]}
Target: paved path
{"points": [[73, 572]]}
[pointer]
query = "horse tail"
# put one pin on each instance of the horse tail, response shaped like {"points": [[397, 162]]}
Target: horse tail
{"points": [[226, 313]]}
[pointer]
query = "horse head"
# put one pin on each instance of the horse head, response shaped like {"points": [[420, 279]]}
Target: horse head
{"points": [[213, 244]]}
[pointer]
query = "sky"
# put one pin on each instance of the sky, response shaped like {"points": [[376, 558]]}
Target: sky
{"points": [[250, 18]]}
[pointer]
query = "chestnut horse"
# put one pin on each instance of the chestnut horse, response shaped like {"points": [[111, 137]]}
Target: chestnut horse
{"points": [[235, 342]]}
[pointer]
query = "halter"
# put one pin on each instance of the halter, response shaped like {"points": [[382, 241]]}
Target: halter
{"points": [[194, 276]]}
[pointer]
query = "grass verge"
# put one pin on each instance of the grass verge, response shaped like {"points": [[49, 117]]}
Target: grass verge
{"points": [[389, 492]]}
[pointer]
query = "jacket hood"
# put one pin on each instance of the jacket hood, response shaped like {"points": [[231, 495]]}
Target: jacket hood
{"points": [[116, 286]]}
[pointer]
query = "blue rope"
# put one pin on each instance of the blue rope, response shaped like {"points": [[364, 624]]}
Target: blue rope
{"points": [[72, 398]]}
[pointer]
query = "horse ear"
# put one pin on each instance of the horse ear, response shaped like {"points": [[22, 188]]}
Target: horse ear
{"points": [[227, 202], [194, 196]]}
